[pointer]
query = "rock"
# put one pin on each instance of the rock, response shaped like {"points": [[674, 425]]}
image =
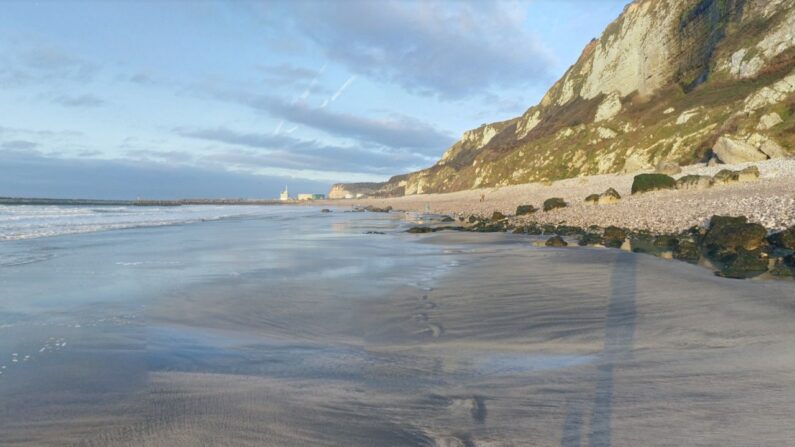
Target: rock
{"points": [[668, 168], [686, 250], [325, 210], [593, 199], [376, 232], [497, 216], [590, 239], [614, 237], [419, 230], [742, 263], [781, 269], [609, 196], [772, 149], [748, 174], [770, 120], [652, 182], [732, 233], [447, 219], [665, 242], [554, 203], [472, 219], [608, 108], [636, 162], [783, 239], [731, 151], [523, 210], [556, 241], [696, 182], [713, 161], [726, 176], [375, 209]]}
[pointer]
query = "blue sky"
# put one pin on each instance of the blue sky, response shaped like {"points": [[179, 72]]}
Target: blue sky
{"points": [[236, 99]]}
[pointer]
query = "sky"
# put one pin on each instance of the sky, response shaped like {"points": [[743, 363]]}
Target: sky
{"points": [[177, 99]]}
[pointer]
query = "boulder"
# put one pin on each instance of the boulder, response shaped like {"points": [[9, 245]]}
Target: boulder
{"points": [[730, 151], [593, 199], [523, 210], [497, 216], [447, 219], [325, 210], [590, 239], [652, 182], [472, 219], [725, 177], [742, 264], [375, 209], [556, 241], [748, 174], [609, 196], [614, 237], [686, 250], [419, 230], [772, 149], [554, 203], [732, 233], [768, 121], [783, 239], [696, 182], [668, 168]]}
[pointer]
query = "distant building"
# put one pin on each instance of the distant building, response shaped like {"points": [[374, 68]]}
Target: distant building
{"points": [[285, 195], [304, 196], [318, 196]]}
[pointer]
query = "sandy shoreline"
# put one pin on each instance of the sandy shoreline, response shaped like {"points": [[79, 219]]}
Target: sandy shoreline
{"points": [[770, 200]]}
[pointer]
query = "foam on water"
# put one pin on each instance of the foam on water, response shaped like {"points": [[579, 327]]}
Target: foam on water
{"points": [[35, 221]]}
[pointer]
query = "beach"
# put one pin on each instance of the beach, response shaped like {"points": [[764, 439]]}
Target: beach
{"points": [[303, 329], [769, 200]]}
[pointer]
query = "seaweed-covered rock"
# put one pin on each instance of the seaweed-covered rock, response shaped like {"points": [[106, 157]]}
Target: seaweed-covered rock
{"points": [[652, 182], [554, 203], [375, 209], [725, 177], [590, 239], [497, 216], [472, 219], [523, 210], [742, 263], [686, 250], [447, 219], [593, 199], [325, 210], [614, 237], [696, 182], [781, 269], [666, 242], [419, 230], [783, 239], [734, 232], [556, 241]]}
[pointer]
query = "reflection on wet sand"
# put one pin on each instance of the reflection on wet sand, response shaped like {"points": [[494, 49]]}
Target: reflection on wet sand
{"points": [[471, 340]]}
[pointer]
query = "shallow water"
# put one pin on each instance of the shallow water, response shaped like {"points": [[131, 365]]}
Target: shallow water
{"points": [[293, 327]]}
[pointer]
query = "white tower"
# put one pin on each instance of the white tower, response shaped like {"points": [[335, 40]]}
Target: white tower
{"points": [[284, 195]]}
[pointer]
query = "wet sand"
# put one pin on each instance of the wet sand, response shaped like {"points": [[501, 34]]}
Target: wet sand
{"points": [[481, 340]]}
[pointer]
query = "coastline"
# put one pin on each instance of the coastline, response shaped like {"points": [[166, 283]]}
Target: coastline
{"points": [[769, 201]]}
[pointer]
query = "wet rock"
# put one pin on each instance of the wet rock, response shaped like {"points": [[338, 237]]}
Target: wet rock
{"points": [[567, 230], [783, 239], [556, 241], [781, 268], [447, 219], [614, 237], [375, 209], [696, 182], [325, 210], [609, 196], [496, 216], [472, 219], [523, 210], [652, 182], [419, 230], [686, 250], [554, 203], [377, 232], [590, 239], [742, 263], [732, 233]]}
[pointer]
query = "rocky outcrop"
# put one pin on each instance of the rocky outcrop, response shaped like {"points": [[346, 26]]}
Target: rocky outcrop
{"points": [[669, 82]]}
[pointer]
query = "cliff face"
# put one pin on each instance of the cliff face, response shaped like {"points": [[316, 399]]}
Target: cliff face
{"points": [[664, 82]]}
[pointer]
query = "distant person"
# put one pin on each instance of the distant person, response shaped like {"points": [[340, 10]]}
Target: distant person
{"points": [[483, 197]]}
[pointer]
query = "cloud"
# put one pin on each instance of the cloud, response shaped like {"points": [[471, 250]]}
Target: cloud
{"points": [[43, 65], [85, 100], [446, 49], [283, 151], [397, 132], [34, 175], [19, 145]]}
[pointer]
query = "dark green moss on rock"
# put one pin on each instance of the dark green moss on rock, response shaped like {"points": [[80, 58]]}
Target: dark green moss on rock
{"points": [[652, 182], [523, 210], [614, 236], [783, 239], [554, 203], [556, 241]]}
